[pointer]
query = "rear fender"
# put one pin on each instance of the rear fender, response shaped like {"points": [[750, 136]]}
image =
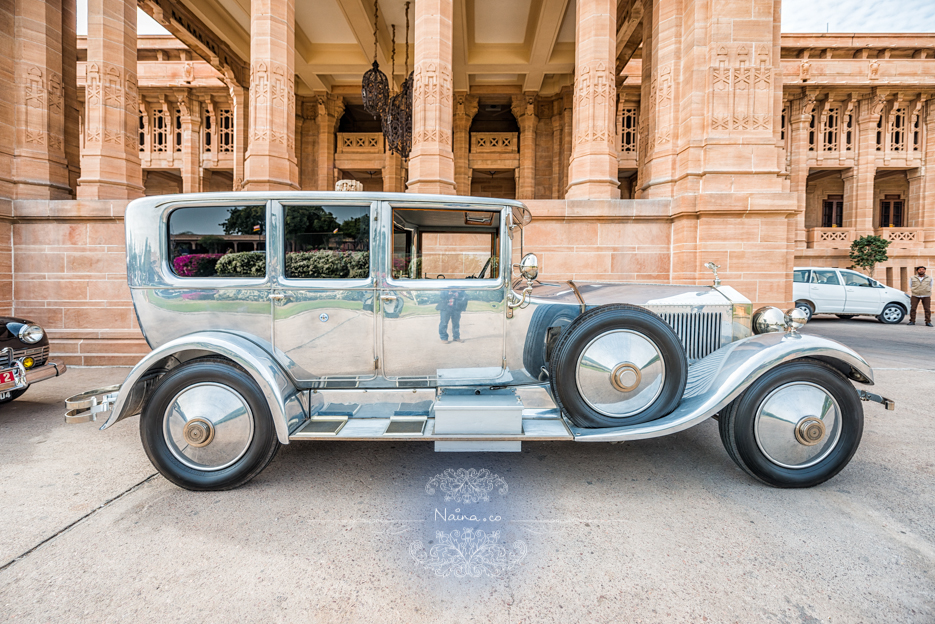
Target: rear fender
{"points": [[282, 396], [718, 379]]}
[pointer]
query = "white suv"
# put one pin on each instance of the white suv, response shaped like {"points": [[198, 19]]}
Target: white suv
{"points": [[821, 290]]}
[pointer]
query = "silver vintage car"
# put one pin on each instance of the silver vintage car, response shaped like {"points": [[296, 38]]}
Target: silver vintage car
{"points": [[282, 317]]}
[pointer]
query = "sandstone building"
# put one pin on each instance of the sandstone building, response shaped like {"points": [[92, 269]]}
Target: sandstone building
{"points": [[647, 136]]}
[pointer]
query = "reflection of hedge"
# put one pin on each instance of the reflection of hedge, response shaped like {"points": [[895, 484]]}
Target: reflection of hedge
{"points": [[242, 264], [326, 264], [196, 265]]}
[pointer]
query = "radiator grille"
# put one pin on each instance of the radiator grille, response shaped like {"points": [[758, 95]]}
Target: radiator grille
{"points": [[700, 332], [39, 354]]}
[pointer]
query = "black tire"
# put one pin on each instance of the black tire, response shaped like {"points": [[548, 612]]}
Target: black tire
{"points": [[536, 349], [892, 314], [588, 326], [845, 317], [737, 425], [262, 447], [806, 307], [14, 394]]}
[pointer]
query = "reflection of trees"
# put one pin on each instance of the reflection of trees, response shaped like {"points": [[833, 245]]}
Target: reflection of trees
{"points": [[242, 220], [306, 227], [212, 243]]}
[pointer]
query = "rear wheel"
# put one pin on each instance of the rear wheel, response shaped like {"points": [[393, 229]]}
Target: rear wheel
{"points": [[548, 321], [797, 426], [806, 307], [207, 426], [617, 365], [892, 314]]}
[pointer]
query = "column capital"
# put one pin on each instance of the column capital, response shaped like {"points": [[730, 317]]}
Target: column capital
{"points": [[465, 106], [523, 105]]}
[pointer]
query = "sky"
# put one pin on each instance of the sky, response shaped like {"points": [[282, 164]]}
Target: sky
{"points": [[811, 16]]}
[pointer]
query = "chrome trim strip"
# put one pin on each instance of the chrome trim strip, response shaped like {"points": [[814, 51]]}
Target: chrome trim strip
{"points": [[742, 364]]}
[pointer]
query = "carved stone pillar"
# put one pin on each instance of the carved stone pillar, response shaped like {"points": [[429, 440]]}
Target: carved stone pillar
{"points": [[330, 111], [308, 163], [239, 112], [70, 92], [431, 161], [270, 163], [927, 207], [915, 202], [7, 141], [110, 163], [593, 168], [40, 168], [524, 109], [190, 117], [558, 188], [393, 173], [568, 135], [860, 213], [465, 109], [800, 115]]}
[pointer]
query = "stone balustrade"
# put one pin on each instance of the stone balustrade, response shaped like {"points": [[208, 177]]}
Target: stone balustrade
{"points": [[495, 142], [830, 237], [360, 143], [902, 237]]}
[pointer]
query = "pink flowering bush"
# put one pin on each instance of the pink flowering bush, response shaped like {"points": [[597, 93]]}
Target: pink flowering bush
{"points": [[196, 265]]}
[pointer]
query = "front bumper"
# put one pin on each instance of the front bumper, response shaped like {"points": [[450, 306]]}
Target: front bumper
{"points": [[26, 377]]}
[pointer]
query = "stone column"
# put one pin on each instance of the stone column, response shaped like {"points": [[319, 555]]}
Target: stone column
{"points": [[70, 92], [800, 114], [393, 173], [239, 112], [593, 168], [915, 202], [270, 163], [190, 112], [568, 135], [927, 207], [431, 161], [465, 109], [330, 111], [110, 163], [308, 163], [524, 109], [558, 188], [859, 214]]}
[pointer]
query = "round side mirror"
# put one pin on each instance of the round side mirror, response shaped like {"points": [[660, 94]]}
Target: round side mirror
{"points": [[529, 267]]}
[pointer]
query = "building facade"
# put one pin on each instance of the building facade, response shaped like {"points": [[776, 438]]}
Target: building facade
{"points": [[647, 136]]}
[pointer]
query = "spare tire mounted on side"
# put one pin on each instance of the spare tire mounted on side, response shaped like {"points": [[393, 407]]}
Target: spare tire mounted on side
{"points": [[617, 365]]}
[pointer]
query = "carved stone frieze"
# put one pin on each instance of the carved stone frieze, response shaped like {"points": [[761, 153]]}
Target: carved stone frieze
{"points": [[742, 90], [594, 118], [432, 96]]}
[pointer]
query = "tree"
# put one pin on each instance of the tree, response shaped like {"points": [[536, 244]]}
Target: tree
{"points": [[869, 251], [212, 243]]}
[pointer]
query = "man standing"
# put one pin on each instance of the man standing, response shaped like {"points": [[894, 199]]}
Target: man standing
{"points": [[920, 288], [452, 304]]}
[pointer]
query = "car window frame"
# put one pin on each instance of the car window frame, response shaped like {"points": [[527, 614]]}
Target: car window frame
{"points": [[438, 284], [174, 280], [278, 214], [808, 275], [836, 273], [846, 273]]}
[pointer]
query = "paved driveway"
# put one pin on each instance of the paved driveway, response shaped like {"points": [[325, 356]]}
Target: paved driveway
{"points": [[664, 530]]}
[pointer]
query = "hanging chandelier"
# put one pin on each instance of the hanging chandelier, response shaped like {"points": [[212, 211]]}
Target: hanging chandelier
{"points": [[374, 88], [397, 118]]}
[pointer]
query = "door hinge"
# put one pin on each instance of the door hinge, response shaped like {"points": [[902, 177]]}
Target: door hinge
{"points": [[376, 363]]}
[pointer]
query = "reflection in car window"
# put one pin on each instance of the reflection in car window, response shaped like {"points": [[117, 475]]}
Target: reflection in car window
{"points": [[327, 242], [446, 244], [856, 279], [218, 241], [829, 278], [800, 276]]}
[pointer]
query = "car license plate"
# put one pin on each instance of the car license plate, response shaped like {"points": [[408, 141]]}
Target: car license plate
{"points": [[7, 376], [6, 394]]}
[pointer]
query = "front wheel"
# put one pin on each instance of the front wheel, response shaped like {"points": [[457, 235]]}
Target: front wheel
{"points": [[797, 426], [207, 426], [807, 308], [892, 314]]}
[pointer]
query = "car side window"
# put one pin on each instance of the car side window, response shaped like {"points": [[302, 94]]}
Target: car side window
{"points": [[218, 241], [446, 244], [856, 279], [800, 276], [828, 278], [327, 242]]}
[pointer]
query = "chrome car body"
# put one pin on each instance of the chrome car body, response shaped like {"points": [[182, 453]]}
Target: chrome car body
{"points": [[375, 337]]}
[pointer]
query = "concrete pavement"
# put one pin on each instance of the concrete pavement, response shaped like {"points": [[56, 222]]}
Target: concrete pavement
{"points": [[664, 530]]}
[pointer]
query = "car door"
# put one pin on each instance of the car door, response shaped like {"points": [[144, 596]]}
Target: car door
{"points": [[860, 295], [800, 280], [826, 291], [323, 298], [443, 296]]}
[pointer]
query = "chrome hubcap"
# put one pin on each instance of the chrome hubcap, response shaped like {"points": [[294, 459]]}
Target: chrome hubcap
{"points": [[891, 314], [620, 373], [798, 425], [208, 426]]}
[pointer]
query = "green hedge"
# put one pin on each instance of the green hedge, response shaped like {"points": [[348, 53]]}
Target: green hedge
{"points": [[325, 264], [242, 264]]}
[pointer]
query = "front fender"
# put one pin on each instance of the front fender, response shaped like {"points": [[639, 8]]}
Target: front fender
{"points": [[278, 388], [718, 379]]}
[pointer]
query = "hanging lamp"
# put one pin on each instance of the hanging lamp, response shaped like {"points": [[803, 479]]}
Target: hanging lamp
{"points": [[374, 88], [398, 119]]}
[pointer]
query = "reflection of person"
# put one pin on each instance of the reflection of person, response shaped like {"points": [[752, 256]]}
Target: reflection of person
{"points": [[452, 304], [920, 289]]}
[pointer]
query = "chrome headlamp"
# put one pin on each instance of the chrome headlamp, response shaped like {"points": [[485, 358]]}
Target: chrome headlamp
{"points": [[769, 319], [30, 334]]}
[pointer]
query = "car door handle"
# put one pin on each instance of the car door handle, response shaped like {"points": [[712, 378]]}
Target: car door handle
{"points": [[277, 296], [388, 298]]}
